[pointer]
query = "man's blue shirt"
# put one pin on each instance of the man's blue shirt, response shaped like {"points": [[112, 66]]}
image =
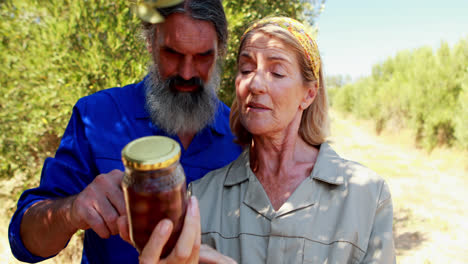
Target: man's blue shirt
{"points": [[100, 126]]}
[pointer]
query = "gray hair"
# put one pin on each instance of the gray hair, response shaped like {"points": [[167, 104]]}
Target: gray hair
{"points": [[208, 10], [176, 112]]}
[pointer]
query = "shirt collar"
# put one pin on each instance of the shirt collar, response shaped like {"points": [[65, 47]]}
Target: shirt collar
{"points": [[218, 124], [328, 167], [239, 170]]}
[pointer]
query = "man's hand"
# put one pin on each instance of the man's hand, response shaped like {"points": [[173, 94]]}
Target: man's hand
{"points": [[99, 205], [187, 249], [47, 225]]}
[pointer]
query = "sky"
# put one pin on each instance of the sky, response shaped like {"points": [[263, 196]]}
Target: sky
{"points": [[354, 35]]}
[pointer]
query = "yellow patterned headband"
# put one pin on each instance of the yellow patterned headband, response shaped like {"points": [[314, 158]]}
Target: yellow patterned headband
{"points": [[298, 30]]}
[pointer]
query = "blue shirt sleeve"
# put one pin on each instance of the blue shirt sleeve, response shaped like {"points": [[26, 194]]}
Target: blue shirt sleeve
{"points": [[66, 174]]}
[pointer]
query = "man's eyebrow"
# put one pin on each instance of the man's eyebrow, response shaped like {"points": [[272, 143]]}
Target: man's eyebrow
{"points": [[206, 53], [170, 50]]}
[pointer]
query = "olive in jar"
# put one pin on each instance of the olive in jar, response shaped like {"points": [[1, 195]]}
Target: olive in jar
{"points": [[154, 188]]}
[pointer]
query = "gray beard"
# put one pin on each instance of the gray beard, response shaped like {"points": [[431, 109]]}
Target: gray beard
{"points": [[179, 112]]}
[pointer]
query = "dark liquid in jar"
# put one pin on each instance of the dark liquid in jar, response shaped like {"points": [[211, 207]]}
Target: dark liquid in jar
{"points": [[147, 207]]}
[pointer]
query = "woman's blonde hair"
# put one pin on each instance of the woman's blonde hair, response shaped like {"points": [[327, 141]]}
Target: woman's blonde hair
{"points": [[314, 127]]}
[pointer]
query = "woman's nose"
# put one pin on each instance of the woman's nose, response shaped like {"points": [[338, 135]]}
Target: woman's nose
{"points": [[257, 84]]}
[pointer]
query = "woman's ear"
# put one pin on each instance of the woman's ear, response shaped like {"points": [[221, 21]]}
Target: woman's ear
{"points": [[309, 96]]}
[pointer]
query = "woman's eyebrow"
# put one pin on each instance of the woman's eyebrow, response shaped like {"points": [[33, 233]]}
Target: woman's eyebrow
{"points": [[279, 58], [245, 54]]}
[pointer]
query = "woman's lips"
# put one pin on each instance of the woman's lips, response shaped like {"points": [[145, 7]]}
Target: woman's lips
{"points": [[257, 107]]}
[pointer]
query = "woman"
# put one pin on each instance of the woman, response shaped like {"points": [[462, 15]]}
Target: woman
{"points": [[289, 198]]}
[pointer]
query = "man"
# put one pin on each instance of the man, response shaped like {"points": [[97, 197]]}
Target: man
{"points": [[80, 186]]}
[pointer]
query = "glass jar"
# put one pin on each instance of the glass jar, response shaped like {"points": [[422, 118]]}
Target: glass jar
{"points": [[154, 188]]}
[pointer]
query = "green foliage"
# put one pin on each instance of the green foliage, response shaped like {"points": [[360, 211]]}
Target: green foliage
{"points": [[334, 83], [54, 52], [420, 89], [461, 112]]}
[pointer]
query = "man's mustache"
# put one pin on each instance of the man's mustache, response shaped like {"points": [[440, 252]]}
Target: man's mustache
{"points": [[179, 81]]}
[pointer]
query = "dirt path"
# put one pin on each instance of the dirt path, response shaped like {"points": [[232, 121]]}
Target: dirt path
{"points": [[429, 190], [429, 194]]}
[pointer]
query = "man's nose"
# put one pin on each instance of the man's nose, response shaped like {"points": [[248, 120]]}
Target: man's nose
{"points": [[187, 68]]}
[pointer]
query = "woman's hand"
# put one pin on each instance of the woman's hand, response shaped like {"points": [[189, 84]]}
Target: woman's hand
{"points": [[188, 245], [187, 249], [208, 255]]}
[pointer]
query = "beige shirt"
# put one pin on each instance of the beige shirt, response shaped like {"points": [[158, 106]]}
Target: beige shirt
{"points": [[342, 213]]}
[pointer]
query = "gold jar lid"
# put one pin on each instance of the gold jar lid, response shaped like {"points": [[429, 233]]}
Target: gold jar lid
{"points": [[151, 153]]}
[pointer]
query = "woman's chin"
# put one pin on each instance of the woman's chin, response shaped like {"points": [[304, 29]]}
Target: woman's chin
{"points": [[258, 130]]}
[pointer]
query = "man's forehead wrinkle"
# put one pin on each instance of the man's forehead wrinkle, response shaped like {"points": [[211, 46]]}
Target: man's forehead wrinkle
{"points": [[196, 30], [196, 33], [199, 40], [181, 32]]}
